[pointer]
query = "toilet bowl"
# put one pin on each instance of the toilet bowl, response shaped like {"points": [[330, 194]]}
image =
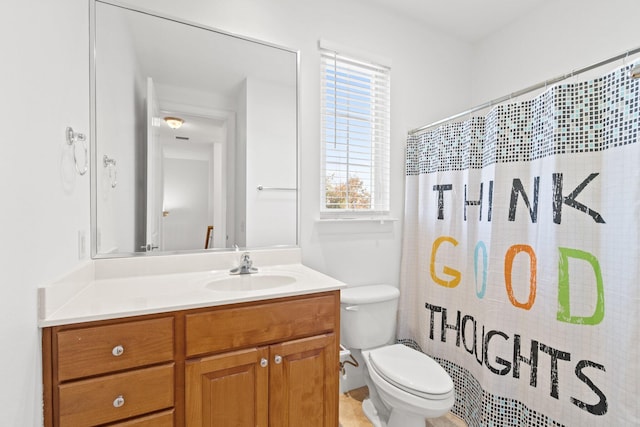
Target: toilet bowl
{"points": [[405, 385], [411, 383]]}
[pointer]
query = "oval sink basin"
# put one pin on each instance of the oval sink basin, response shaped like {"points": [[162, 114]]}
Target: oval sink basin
{"points": [[250, 282]]}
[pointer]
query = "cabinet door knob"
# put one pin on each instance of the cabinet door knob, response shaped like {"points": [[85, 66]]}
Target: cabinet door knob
{"points": [[118, 402], [117, 350], [277, 359], [264, 362]]}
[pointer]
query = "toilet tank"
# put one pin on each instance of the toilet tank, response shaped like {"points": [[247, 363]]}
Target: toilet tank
{"points": [[368, 315]]}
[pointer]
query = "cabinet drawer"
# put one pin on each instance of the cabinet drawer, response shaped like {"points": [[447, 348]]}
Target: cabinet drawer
{"points": [[95, 401], [230, 328], [162, 419], [101, 349]]}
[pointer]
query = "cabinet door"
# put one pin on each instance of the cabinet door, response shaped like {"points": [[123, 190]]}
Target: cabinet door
{"points": [[304, 383], [230, 389]]}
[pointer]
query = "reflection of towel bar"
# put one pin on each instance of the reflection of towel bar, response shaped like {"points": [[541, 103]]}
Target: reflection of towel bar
{"points": [[260, 187]]}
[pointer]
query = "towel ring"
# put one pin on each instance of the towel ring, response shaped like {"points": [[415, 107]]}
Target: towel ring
{"points": [[72, 138]]}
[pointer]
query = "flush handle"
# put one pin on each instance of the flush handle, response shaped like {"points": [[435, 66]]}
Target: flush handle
{"points": [[352, 308]]}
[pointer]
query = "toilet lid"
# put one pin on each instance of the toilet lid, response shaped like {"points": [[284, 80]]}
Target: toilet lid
{"points": [[368, 294], [412, 371]]}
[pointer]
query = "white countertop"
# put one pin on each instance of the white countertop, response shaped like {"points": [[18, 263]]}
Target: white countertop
{"points": [[98, 291]]}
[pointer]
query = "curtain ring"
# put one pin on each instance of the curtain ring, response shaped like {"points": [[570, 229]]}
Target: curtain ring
{"points": [[72, 139]]}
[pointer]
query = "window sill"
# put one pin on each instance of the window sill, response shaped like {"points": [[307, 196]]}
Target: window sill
{"points": [[380, 220]]}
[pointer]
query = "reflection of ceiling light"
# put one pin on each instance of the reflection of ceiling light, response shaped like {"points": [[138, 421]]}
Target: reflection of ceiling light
{"points": [[174, 122]]}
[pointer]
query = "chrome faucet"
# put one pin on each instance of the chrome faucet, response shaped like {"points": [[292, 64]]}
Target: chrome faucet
{"points": [[245, 266]]}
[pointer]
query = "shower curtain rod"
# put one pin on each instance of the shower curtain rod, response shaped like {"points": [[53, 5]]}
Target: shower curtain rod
{"points": [[525, 90]]}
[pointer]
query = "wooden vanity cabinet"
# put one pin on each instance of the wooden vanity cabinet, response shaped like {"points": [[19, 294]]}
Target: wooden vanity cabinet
{"points": [[267, 363], [282, 369], [287, 384]]}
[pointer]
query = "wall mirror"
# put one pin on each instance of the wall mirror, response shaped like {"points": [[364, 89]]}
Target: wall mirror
{"points": [[223, 173]]}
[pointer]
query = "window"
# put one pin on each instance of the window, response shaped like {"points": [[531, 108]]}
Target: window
{"points": [[355, 97]]}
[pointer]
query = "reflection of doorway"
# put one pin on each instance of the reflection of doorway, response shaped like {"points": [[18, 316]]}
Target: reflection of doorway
{"points": [[194, 196]]}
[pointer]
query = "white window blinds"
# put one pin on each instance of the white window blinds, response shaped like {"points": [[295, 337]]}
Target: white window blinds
{"points": [[355, 115]]}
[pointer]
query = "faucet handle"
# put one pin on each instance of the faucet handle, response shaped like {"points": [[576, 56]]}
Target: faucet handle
{"points": [[245, 266]]}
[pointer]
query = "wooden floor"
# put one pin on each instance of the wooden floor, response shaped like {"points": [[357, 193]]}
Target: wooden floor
{"points": [[351, 414]]}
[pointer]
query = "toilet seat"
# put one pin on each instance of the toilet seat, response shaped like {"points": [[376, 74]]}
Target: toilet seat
{"points": [[411, 371]]}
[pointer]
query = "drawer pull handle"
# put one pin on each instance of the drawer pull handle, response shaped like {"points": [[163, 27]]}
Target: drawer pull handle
{"points": [[277, 359], [264, 362], [119, 402], [117, 350]]}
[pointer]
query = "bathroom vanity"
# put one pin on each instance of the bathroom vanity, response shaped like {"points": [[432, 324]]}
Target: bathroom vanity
{"points": [[254, 357]]}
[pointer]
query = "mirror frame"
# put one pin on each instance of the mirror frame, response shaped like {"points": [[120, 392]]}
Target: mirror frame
{"points": [[93, 168]]}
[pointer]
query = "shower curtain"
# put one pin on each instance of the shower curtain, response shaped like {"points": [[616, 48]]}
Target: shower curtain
{"points": [[520, 264]]}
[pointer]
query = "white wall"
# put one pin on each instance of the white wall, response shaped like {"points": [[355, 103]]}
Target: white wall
{"points": [[559, 37], [45, 87], [270, 162]]}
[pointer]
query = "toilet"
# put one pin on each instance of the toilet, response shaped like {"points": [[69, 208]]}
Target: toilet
{"points": [[405, 385]]}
